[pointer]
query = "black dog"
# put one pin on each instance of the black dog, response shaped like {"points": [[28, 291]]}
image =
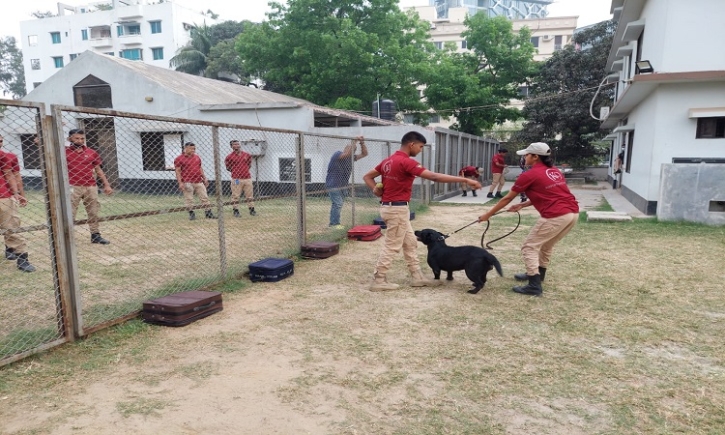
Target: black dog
{"points": [[474, 260]]}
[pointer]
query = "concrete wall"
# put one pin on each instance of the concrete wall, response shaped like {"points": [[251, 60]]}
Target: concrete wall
{"points": [[692, 192]]}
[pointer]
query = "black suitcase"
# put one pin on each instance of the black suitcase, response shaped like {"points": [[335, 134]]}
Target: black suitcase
{"points": [[380, 222], [271, 270], [180, 309], [320, 249]]}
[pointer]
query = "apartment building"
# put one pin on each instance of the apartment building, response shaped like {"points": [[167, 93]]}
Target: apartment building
{"points": [[670, 91], [131, 29]]}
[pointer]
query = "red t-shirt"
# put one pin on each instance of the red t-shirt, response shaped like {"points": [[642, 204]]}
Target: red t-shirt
{"points": [[498, 159], [238, 164], [399, 172], [190, 168], [81, 164], [8, 162], [470, 171], [547, 190]]}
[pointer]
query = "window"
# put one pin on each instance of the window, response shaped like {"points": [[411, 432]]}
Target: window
{"points": [[31, 152], [119, 30], [55, 37], [710, 128], [288, 169], [109, 53], [58, 61], [35, 64], [159, 149], [36, 84], [629, 145], [464, 44], [73, 56], [439, 45], [155, 26], [132, 54], [134, 29], [535, 41], [557, 42], [158, 53], [84, 34], [524, 92], [92, 92], [32, 40], [435, 118]]}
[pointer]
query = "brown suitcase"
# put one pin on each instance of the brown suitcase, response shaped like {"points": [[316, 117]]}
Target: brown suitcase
{"points": [[320, 249], [180, 309]]}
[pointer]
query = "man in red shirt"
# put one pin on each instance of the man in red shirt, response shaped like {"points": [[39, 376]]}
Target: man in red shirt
{"points": [[498, 166], [192, 180], [84, 165], [398, 173], [238, 163], [472, 173], [546, 189], [12, 196]]}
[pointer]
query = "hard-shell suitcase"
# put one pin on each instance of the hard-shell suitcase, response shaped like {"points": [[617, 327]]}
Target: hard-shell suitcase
{"points": [[180, 309], [364, 233], [320, 249], [271, 269], [380, 222]]}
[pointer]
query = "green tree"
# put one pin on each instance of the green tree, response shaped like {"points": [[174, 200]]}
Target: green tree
{"points": [[560, 97], [192, 58], [339, 52], [224, 60], [12, 73], [477, 86]]}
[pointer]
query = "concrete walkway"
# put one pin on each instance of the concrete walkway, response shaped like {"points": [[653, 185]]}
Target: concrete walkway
{"points": [[589, 196]]}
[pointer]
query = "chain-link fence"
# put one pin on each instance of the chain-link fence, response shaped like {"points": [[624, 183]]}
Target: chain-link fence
{"points": [[125, 207]]}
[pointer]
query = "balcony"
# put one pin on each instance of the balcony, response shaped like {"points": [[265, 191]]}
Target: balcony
{"points": [[101, 42], [130, 12], [129, 40]]}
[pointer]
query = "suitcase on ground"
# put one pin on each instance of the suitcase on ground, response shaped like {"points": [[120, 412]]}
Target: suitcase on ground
{"points": [[380, 222], [271, 270], [364, 233], [320, 249], [180, 309]]}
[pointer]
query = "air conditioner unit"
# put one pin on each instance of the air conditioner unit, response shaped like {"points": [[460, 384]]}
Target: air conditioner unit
{"points": [[547, 37], [603, 112]]}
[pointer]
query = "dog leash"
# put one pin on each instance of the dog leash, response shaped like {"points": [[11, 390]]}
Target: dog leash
{"points": [[488, 224]]}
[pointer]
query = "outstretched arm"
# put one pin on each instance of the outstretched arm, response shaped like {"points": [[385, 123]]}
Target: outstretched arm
{"points": [[444, 178]]}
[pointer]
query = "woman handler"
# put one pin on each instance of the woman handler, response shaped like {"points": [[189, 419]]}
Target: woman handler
{"points": [[546, 189]]}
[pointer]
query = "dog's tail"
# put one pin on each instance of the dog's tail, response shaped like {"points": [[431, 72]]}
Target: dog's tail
{"points": [[493, 260]]}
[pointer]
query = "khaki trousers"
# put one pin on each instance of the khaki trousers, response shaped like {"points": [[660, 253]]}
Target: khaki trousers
{"points": [[10, 220], [243, 185], [539, 244], [498, 182], [198, 189], [398, 235], [464, 186], [89, 196]]}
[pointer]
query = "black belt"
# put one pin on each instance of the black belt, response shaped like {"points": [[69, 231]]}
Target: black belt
{"points": [[393, 202]]}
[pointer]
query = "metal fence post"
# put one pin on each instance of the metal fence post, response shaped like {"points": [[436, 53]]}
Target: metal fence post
{"points": [[219, 202], [301, 191]]}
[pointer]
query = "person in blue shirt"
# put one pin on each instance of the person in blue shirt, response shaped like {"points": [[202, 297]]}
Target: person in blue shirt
{"points": [[338, 176]]}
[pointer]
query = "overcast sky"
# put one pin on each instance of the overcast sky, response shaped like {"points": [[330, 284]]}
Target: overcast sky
{"points": [[589, 11]]}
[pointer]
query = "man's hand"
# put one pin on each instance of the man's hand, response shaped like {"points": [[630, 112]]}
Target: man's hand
{"points": [[206, 183], [22, 201], [473, 183], [181, 186], [107, 190], [516, 207]]}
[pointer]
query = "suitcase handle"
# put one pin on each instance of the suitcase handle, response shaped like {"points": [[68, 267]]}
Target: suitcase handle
{"points": [[204, 307]]}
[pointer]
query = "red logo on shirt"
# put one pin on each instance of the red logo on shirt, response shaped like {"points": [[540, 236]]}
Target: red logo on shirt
{"points": [[387, 166], [554, 174]]}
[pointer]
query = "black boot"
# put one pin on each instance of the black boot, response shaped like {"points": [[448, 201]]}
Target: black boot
{"points": [[533, 288], [474, 193], [465, 193], [10, 254], [96, 238], [490, 195], [192, 215], [252, 212], [209, 215], [498, 195], [24, 264], [525, 277], [235, 212]]}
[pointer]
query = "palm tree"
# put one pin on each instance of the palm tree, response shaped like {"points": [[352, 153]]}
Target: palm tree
{"points": [[193, 57]]}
